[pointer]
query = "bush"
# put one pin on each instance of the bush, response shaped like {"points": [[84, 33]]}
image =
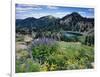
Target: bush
{"points": [[42, 49], [54, 56], [32, 66], [87, 40], [27, 66]]}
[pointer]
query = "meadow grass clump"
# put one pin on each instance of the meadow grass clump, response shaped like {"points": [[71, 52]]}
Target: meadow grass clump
{"points": [[42, 48]]}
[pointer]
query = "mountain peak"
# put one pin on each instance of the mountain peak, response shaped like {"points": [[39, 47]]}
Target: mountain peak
{"points": [[75, 14], [48, 17], [29, 18]]}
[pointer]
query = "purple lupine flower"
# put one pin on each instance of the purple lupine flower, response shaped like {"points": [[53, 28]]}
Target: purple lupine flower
{"points": [[43, 41]]}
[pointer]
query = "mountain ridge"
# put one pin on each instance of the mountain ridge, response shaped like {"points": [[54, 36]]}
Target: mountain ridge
{"points": [[70, 22]]}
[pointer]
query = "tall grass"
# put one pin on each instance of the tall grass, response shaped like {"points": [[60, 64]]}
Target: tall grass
{"points": [[51, 55]]}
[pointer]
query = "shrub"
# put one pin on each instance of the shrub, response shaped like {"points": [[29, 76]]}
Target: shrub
{"points": [[27, 66], [42, 49], [32, 66]]}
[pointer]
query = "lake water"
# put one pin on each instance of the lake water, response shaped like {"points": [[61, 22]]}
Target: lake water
{"points": [[71, 34]]}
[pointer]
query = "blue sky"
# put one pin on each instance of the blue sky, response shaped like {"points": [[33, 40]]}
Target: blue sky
{"points": [[26, 10]]}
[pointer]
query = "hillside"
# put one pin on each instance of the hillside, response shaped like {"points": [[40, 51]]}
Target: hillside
{"points": [[70, 22]]}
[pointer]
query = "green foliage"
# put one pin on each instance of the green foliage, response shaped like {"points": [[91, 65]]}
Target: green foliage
{"points": [[87, 40], [60, 56], [73, 56], [82, 39], [22, 55], [27, 66], [40, 53], [79, 56], [32, 66], [17, 66]]}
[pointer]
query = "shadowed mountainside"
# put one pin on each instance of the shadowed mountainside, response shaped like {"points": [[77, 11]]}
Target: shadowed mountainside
{"points": [[70, 22]]}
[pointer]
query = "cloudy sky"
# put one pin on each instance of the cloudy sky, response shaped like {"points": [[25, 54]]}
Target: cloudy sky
{"points": [[25, 10]]}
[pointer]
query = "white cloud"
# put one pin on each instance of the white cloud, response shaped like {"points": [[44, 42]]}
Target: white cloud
{"points": [[38, 15], [52, 7], [90, 9], [81, 12], [23, 9], [63, 13], [57, 14], [84, 14], [28, 8], [26, 5]]}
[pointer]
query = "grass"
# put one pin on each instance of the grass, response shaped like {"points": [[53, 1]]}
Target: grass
{"points": [[78, 54], [69, 45], [67, 56]]}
